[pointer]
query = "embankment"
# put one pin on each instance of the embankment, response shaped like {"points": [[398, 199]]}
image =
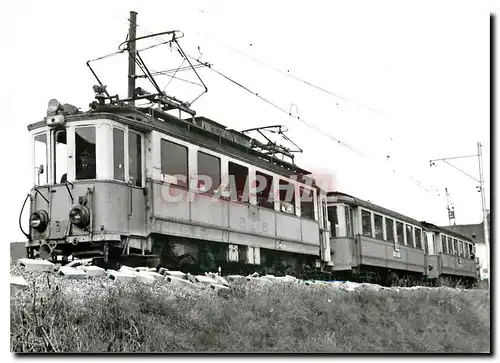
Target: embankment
{"points": [[98, 315]]}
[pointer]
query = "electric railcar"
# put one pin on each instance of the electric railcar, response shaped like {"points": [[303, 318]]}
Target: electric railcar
{"points": [[130, 184]]}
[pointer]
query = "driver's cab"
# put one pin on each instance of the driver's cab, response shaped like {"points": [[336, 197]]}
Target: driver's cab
{"points": [[73, 150], [86, 160]]}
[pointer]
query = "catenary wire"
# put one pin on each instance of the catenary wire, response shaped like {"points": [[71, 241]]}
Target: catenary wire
{"points": [[336, 140]]}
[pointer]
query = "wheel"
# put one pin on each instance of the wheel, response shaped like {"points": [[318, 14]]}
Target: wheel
{"points": [[44, 252]]}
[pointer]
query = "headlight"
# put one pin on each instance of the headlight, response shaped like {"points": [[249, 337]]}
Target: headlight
{"points": [[79, 216], [54, 106], [39, 220]]}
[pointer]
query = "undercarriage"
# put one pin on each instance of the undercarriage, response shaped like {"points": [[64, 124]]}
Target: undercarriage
{"points": [[181, 254]]}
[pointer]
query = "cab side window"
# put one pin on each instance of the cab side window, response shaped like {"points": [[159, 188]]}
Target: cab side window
{"points": [[334, 222], [135, 158], [61, 157], [41, 158], [118, 154], [348, 221]]}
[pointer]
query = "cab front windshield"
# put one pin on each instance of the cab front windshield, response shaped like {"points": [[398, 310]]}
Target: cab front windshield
{"points": [[85, 153], [61, 157], [73, 150]]}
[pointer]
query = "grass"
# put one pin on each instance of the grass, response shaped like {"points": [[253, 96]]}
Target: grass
{"points": [[61, 315]]}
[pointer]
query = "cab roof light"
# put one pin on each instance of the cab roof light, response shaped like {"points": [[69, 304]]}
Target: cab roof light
{"points": [[53, 106]]}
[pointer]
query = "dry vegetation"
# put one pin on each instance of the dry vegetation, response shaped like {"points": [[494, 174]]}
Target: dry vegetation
{"points": [[96, 315]]}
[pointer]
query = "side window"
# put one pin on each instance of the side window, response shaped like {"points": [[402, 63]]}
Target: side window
{"points": [[306, 203], [264, 190], [455, 247], [418, 238], [85, 153], [135, 158], [426, 244], [450, 246], [61, 157], [444, 247], [238, 180], [389, 228], [334, 222], [174, 163], [379, 222], [400, 232], [118, 154], [287, 196], [461, 249], [366, 222], [348, 219], [409, 236], [40, 158], [208, 172]]}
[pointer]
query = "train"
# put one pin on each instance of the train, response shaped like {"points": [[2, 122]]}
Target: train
{"points": [[139, 186]]}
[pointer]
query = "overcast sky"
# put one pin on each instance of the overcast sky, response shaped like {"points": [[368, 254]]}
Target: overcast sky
{"points": [[413, 81]]}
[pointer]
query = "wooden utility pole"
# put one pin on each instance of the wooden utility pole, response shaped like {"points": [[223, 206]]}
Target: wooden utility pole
{"points": [[132, 56]]}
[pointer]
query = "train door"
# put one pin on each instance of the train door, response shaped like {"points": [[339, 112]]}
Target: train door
{"points": [[324, 233], [61, 199], [431, 256], [136, 183]]}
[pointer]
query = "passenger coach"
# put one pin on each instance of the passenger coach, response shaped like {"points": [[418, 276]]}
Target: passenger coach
{"points": [[372, 243]]}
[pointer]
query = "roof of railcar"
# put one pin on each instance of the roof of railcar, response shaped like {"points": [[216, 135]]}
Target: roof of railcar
{"points": [[373, 207], [155, 120], [380, 209]]}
